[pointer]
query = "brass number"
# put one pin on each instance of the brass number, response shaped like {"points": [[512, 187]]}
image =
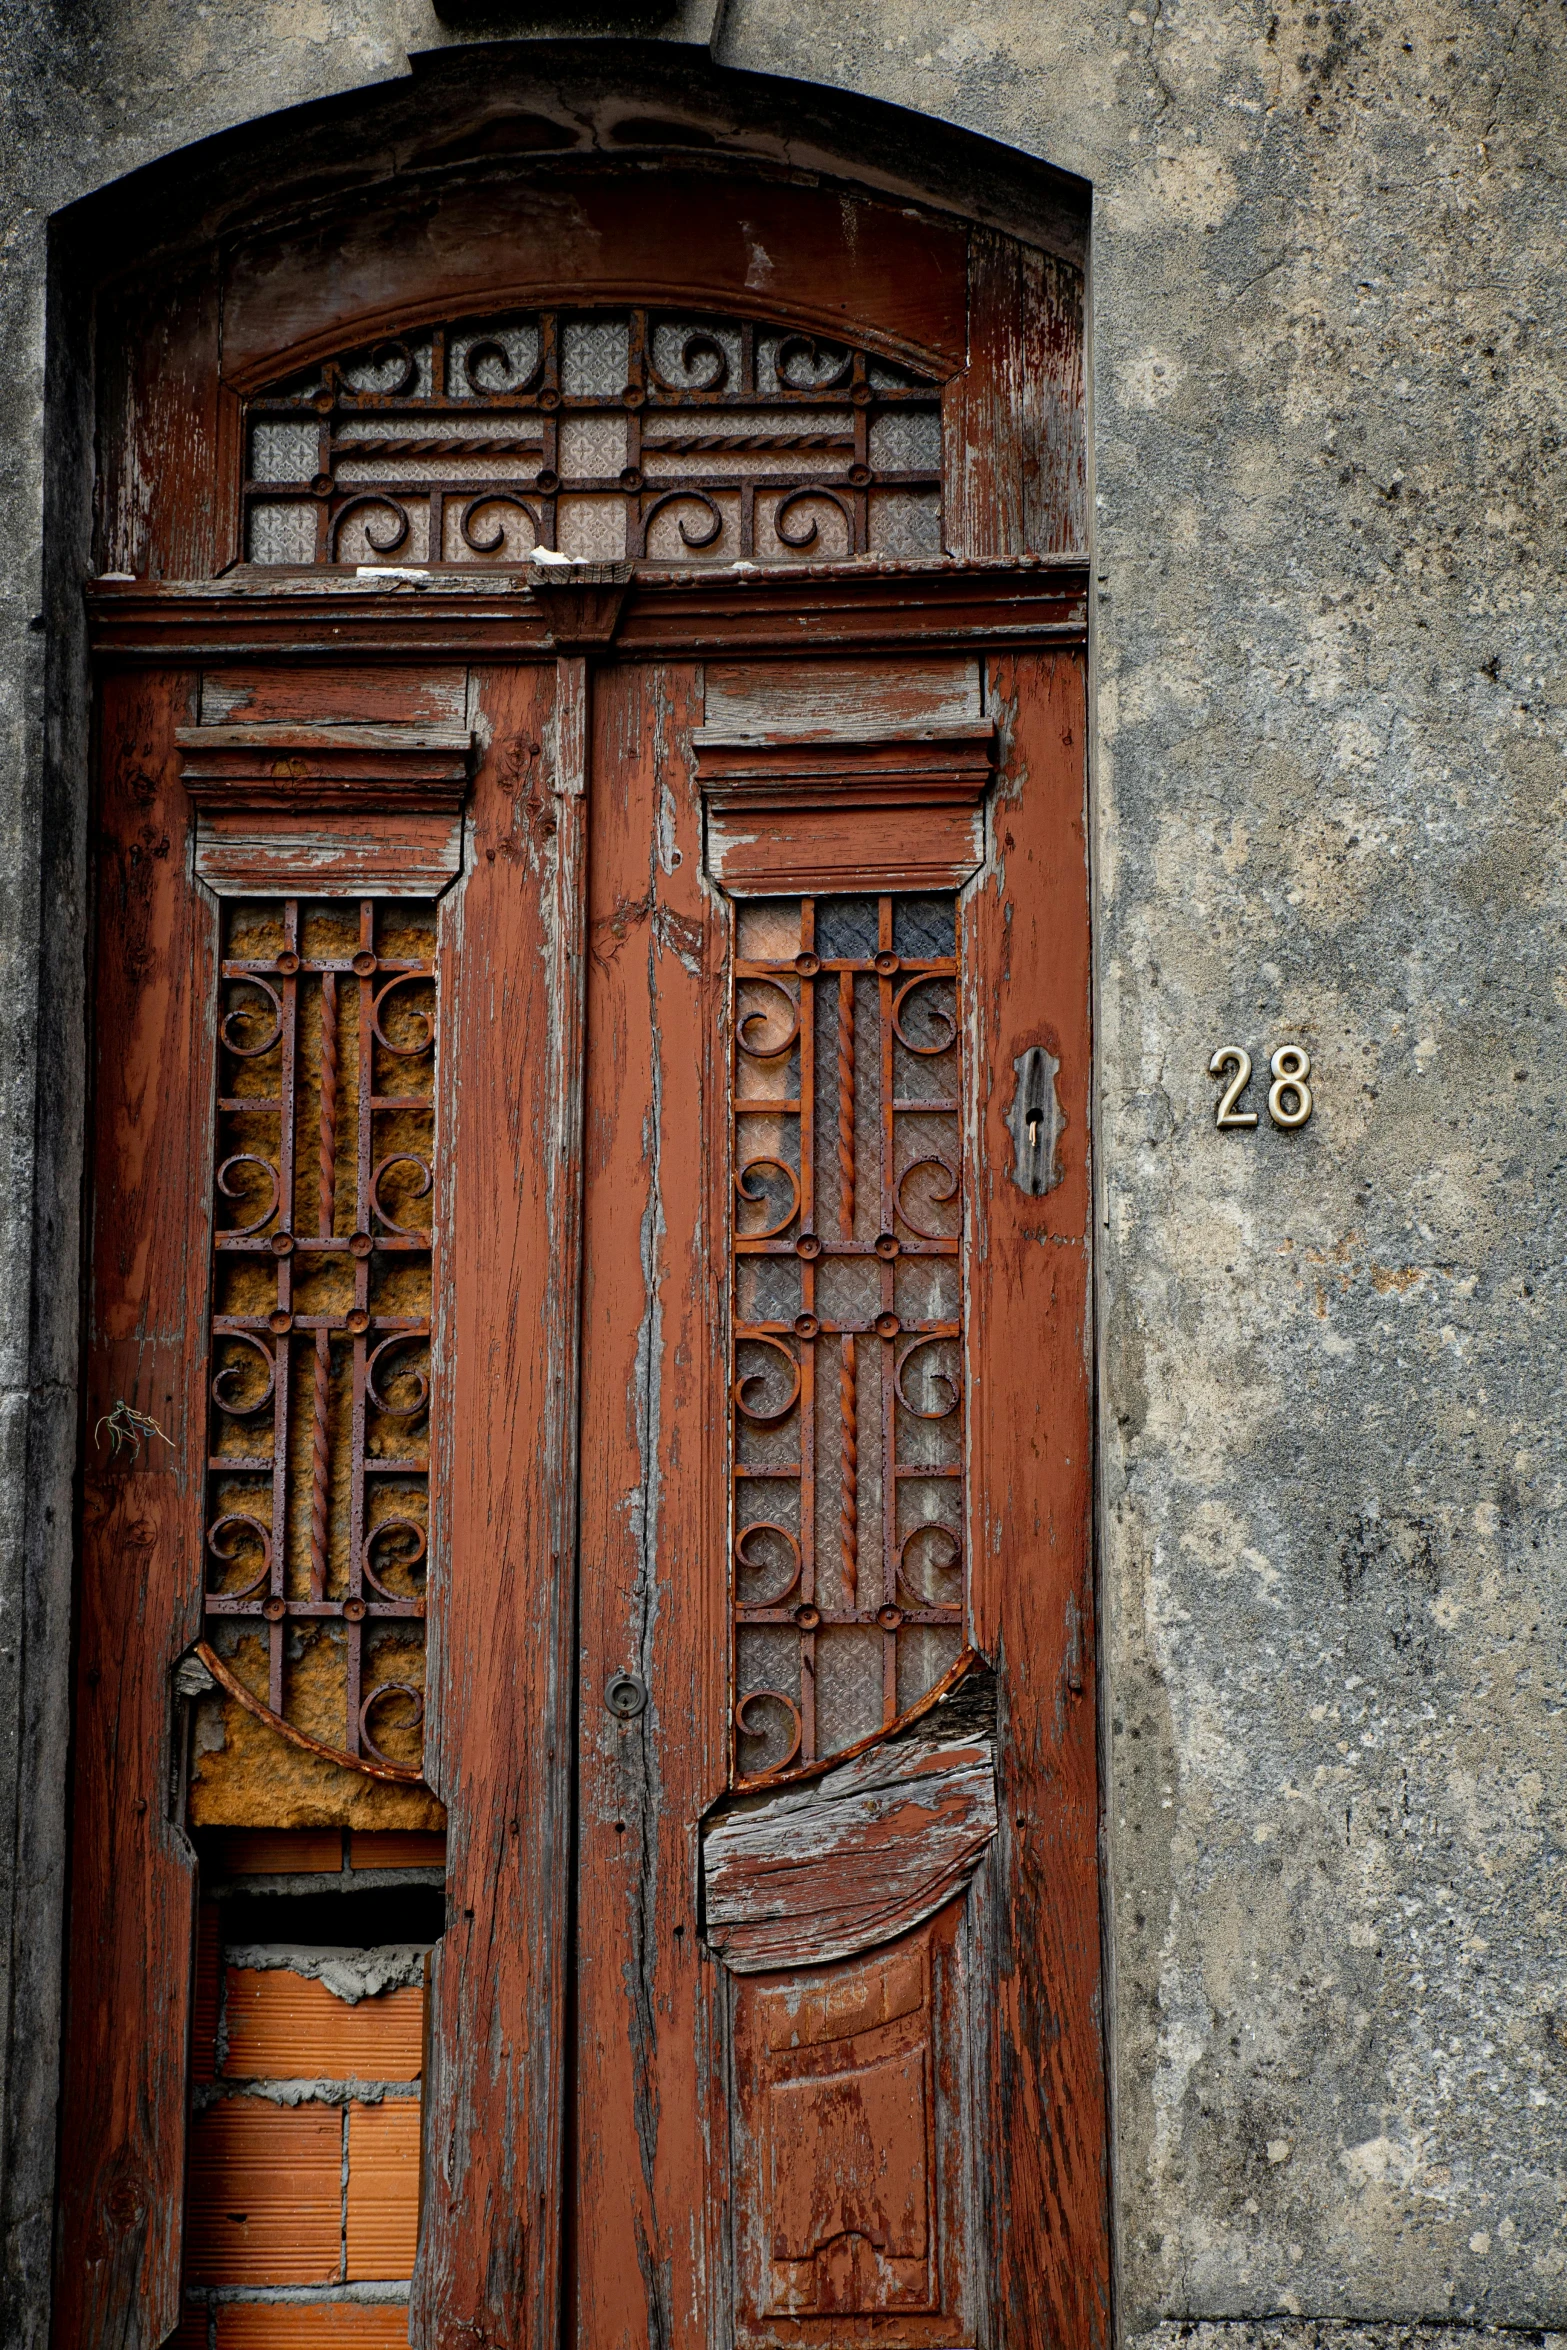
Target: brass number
{"points": [[1291, 1066], [1227, 1114]]}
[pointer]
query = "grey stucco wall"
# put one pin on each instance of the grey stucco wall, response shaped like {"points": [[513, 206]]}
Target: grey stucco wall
{"points": [[1327, 314]]}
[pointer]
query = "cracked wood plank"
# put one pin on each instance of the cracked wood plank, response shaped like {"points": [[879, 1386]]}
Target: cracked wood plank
{"points": [[132, 1903], [504, 1511], [653, 1537], [862, 1855], [1026, 941]]}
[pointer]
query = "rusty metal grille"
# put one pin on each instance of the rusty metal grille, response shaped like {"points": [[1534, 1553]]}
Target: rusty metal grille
{"points": [[847, 1530], [606, 435], [317, 1517]]}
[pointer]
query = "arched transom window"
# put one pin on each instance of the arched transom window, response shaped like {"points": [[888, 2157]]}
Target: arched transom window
{"points": [[604, 434]]}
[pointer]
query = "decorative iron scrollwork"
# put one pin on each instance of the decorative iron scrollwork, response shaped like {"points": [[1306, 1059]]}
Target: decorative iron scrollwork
{"points": [[848, 1586], [480, 441], [317, 1534]]}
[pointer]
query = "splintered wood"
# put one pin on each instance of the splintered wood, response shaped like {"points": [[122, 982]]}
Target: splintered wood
{"points": [[826, 1871]]}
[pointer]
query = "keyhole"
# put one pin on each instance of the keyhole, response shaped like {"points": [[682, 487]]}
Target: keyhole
{"points": [[1033, 1129]]}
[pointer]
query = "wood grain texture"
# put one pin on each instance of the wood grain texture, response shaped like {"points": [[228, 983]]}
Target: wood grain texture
{"points": [[767, 854], [862, 1855], [501, 1669], [982, 416], [730, 242], [132, 1895], [345, 809], [1054, 419], [812, 608], [854, 2151], [163, 495], [345, 855], [322, 695], [898, 808], [808, 700], [1014, 427], [1026, 942], [653, 1532]]}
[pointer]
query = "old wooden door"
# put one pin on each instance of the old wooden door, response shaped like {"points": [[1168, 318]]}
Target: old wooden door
{"points": [[590, 1263], [836, 1954]]}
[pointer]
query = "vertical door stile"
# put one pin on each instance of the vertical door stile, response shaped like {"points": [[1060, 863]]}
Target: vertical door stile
{"points": [[651, 1743], [1026, 937], [132, 1911], [505, 1502]]}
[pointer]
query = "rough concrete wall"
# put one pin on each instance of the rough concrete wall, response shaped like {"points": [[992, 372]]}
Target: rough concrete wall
{"points": [[1327, 318]]}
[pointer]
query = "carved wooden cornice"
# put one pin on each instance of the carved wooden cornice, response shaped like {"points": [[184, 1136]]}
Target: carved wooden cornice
{"points": [[376, 809], [864, 605]]}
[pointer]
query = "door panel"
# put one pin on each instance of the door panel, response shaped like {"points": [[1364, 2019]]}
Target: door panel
{"points": [[852, 2148], [759, 1691], [133, 1906], [810, 1126]]}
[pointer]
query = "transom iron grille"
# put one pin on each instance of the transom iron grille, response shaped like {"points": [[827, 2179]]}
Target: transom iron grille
{"points": [[605, 435], [848, 1575], [317, 1521]]}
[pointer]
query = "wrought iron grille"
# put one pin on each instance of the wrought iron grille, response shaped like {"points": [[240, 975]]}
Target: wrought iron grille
{"points": [[609, 434], [847, 1528], [317, 1522]]}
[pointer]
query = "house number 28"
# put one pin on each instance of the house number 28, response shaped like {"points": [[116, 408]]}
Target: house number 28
{"points": [[1289, 1096]]}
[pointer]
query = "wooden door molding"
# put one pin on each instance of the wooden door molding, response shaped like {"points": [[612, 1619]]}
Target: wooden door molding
{"points": [[900, 811], [505, 1511], [133, 1898], [348, 809], [815, 608]]}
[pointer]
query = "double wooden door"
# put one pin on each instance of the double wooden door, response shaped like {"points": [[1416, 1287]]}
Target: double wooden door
{"points": [[751, 1195]]}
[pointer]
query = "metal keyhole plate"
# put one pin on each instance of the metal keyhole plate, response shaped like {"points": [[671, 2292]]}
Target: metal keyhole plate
{"points": [[626, 1696]]}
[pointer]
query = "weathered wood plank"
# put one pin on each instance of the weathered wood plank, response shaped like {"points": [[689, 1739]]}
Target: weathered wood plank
{"points": [[326, 696], [1054, 416], [804, 700], [501, 1669], [858, 1857], [982, 416], [1026, 941], [132, 1902], [653, 1534], [166, 497], [818, 256], [858, 607]]}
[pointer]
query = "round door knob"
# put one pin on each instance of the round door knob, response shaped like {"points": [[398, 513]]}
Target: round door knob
{"points": [[626, 1695]]}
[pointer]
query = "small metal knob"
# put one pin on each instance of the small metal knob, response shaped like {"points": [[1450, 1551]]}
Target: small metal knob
{"points": [[626, 1696]]}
